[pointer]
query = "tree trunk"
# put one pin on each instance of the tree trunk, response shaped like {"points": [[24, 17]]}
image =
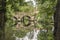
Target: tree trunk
{"points": [[57, 21], [2, 21]]}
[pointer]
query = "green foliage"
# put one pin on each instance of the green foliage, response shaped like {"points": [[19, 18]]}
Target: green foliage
{"points": [[9, 33], [13, 6], [46, 35], [42, 36], [26, 8], [45, 18], [20, 33], [26, 21]]}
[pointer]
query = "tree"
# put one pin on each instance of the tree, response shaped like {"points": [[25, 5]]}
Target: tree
{"points": [[46, 12], [2, 19], [56, 21]]}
